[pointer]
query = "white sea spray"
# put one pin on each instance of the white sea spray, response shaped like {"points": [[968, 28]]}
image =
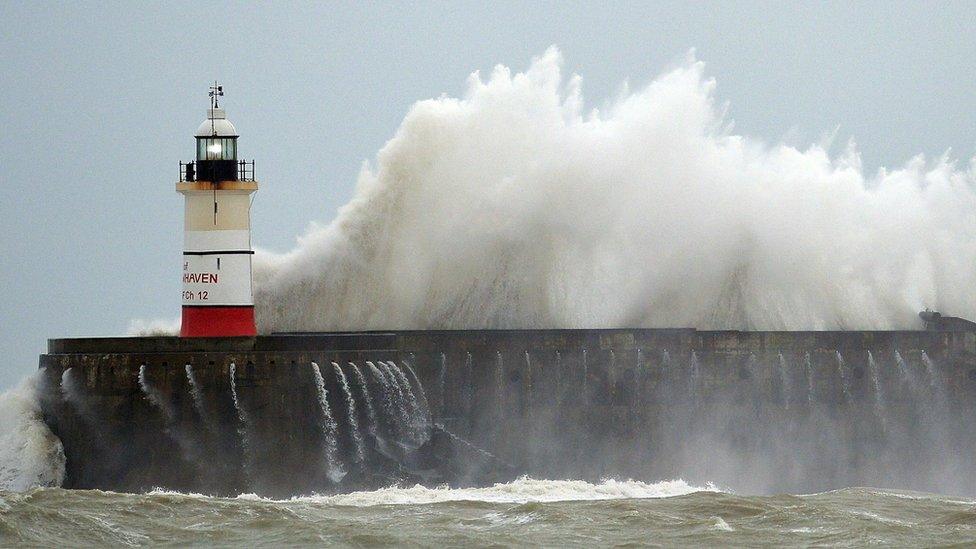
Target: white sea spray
{"points": [[30, 454], [515, 207]]}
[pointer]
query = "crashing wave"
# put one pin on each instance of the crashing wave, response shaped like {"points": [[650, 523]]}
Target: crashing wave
{"points": [[514, 207], [30, 455]]}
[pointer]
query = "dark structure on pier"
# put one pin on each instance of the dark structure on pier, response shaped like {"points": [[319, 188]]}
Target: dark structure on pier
{"points": [[757, 411]]}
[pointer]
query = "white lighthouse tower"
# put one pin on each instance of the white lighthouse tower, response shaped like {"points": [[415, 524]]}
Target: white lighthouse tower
{"points": [[217, 187]]}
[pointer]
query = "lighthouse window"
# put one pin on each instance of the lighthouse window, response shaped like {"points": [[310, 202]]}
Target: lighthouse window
{"points": [[217, 149]]}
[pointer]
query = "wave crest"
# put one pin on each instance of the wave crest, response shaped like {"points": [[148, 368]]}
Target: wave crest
{"points": [[521, 490]]}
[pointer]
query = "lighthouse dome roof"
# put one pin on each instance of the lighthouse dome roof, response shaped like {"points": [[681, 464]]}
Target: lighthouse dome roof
{"points": [[217, 125]]}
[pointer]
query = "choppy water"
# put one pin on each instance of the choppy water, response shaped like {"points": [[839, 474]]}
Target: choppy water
{"points": [[523, 512]]}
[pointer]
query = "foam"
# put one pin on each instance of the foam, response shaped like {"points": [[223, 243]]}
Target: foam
{"points": [[522, 490]]}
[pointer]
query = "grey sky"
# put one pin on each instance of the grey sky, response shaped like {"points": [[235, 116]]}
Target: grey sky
{"points": [[98, 103]]}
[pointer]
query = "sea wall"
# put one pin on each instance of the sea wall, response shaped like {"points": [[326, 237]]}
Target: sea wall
{"points": [[300, 413]]}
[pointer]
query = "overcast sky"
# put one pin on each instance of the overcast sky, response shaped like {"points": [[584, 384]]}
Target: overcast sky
{"points": [[99, 102]]}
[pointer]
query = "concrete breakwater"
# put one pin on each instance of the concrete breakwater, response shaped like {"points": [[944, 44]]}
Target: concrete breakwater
{"points": [[300, 413]]}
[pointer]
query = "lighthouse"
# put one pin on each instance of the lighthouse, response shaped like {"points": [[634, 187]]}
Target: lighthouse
{"points": [[216, 270]]}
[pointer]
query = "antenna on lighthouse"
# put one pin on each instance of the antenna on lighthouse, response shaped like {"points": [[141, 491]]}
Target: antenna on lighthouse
{"points": [[216, 92]]}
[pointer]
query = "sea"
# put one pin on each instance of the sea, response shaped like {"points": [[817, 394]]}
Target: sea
{"points": [[524, 512]]}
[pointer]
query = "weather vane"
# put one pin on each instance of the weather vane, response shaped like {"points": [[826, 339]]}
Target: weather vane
{"points": [[216, 91]]}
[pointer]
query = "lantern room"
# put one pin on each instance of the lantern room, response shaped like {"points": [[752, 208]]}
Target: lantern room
{"points": [[216, 148]]}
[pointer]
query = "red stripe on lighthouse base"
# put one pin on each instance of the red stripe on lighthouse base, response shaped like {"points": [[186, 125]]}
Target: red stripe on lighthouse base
{"points": [[218, 321]]}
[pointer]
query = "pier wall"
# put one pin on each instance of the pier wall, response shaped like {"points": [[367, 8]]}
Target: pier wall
{"points": [[760, 411]]}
